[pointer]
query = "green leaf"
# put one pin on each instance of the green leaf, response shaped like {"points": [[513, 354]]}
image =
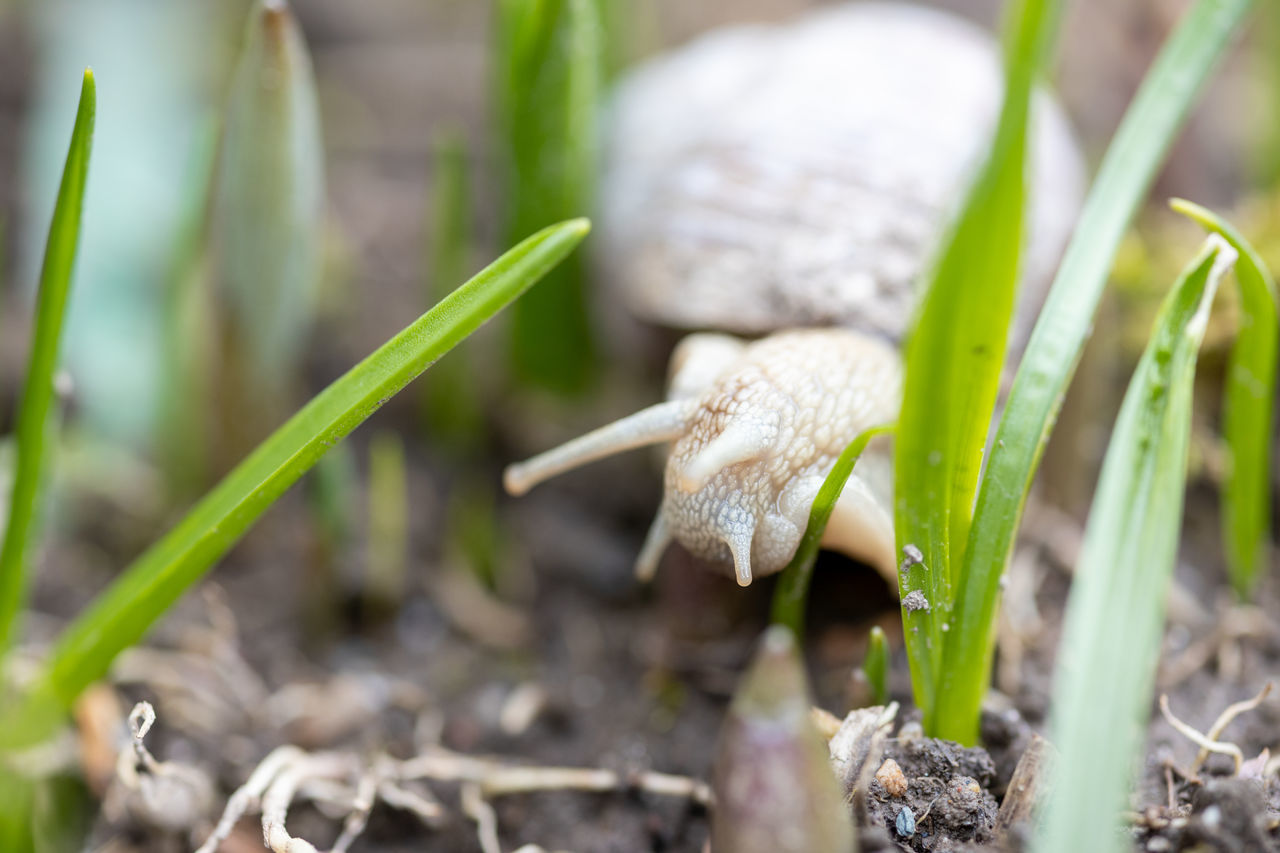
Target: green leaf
{"points": [[387, 560], [792, 591], [549, 56], [451, 403], [120, 616], [954, 359], [876, 665], [1115, 613], [33, 426], [1248, 409], [1149, 128]]}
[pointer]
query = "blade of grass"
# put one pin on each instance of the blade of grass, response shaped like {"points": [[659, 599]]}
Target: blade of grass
{"points": [[955, 356], [387, 558], [451, 402], [875, 666], [120, 615], [792, 592], [1248, 408], [33, 424], [1150, 125], [1115, 613], [550, 61]]}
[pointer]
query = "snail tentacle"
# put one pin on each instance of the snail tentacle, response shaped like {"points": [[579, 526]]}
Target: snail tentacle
{"points": [[654, 425]]}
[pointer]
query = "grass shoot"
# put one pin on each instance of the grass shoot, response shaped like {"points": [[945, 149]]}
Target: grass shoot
{"points": [[1115, 612], [550, 58], [150, 586], [35, 421]]}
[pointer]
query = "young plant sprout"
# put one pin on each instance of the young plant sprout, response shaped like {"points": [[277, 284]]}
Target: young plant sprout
{"points": [[875, 665]]}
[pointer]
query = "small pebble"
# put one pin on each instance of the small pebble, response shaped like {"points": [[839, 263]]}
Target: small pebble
{"points": [[891, 778], [905, 822], [1159, 845]]}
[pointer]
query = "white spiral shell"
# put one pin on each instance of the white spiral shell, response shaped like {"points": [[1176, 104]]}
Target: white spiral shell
{"points": [[764, 178]]}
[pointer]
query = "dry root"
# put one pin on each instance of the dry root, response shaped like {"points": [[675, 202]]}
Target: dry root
{"points": [[345, 781], [1209, 741]]}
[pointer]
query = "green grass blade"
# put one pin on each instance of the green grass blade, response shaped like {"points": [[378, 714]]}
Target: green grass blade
{"points": [[33, 424], [875, 666], [387, 558], [955, 356], [121, 615], [1149, 128], [267, 208], [550, 61], [451, 403], [1115, 613], [1248, 408], [792, 592]]}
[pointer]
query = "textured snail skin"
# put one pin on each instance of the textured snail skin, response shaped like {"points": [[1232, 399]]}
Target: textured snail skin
{"points": [[753, 442]]}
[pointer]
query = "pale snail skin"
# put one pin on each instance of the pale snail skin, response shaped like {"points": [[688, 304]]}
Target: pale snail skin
{"points": [[756, 428], [738, 197]]}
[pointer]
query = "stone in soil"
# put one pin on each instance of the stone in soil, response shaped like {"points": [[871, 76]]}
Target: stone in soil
{"points": [[947, 797]]}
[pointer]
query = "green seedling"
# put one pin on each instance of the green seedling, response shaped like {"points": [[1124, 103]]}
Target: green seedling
{"points": [[875, 666], [951, 693], [149, 587], [1115, 613], [793, 586], [549, 61], [954, 359], [1248, 408], [452, 403], [387, 560], [35, 421], [265, 225]]}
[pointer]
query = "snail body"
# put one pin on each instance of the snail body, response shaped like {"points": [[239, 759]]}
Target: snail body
{"points": [[796, 178], [752, 443]]}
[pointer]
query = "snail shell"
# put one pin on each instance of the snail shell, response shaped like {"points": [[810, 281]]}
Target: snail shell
{"points": [[764, 178], [785, 177]]}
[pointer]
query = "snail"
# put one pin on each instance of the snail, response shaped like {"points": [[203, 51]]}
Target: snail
{"points": [[792, 182]]}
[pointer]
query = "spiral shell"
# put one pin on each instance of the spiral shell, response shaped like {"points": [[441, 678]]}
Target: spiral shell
{"points": [[772, 177]]}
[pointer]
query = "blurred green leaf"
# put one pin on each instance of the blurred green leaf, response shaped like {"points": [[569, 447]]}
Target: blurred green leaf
{"points": [[549, 58], [267, 206], [122, 614], [387, 565], [452, 403], [1150, 125], [1115, 613], [953, 363], [34, 422], [1248, 409]]}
